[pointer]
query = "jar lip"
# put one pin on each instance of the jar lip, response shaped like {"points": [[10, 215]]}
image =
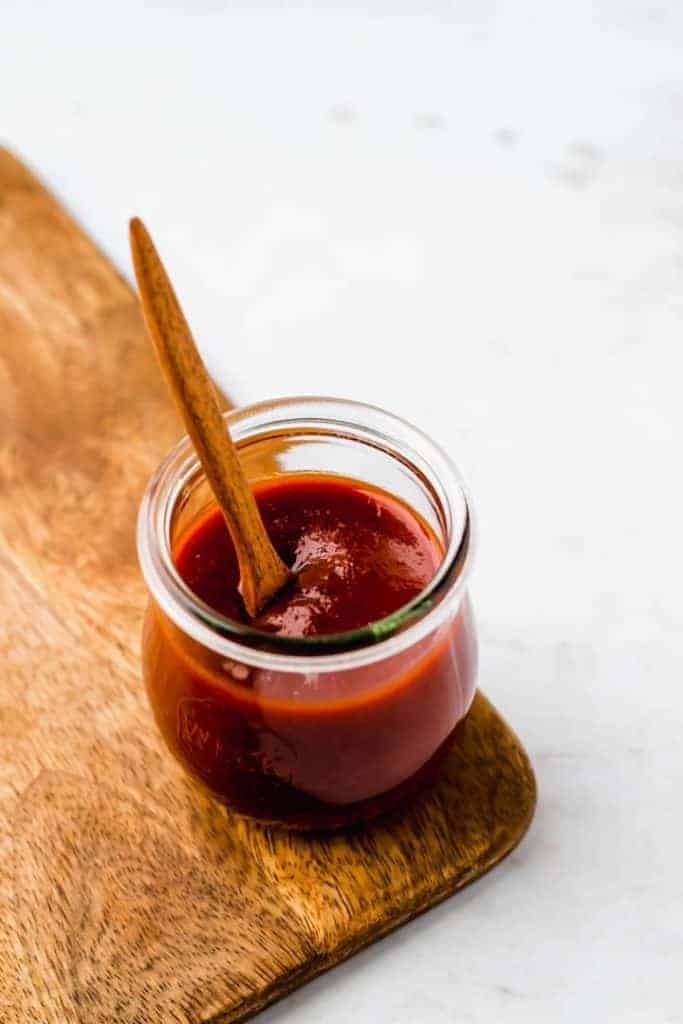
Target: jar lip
{"points": [[332, 652]]}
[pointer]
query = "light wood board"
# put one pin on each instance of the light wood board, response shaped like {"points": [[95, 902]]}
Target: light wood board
{"points": [[126, 896]]}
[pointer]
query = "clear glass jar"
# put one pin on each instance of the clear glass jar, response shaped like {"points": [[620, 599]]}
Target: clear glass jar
{"points": [[313, 732]]}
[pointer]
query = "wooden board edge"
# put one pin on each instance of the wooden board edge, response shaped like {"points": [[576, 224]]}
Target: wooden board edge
{"points": [[494, 856], [22, 176]]}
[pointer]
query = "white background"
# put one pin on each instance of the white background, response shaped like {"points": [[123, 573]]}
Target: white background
{"points": [[470, 213]]}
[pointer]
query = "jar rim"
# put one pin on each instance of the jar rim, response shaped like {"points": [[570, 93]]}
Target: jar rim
{"points": [[241, 642]]}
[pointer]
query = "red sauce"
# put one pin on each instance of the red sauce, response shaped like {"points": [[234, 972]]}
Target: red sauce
{"points": [[356, 554], [314, 749]]}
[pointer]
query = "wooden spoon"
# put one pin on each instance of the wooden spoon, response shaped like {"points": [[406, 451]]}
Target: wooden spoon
{"points": [[262, 571]]}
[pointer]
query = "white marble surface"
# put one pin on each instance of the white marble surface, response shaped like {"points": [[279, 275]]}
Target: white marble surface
{"points": [[480, 206]]}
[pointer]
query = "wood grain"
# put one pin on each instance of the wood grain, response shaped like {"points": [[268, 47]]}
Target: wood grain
{"points": [[126, 895]]}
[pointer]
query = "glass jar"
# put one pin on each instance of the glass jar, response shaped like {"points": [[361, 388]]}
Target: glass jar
{"points": [[313, 732]]}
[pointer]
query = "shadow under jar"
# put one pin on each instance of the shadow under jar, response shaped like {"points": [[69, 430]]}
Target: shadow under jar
{"points": [[317, 731]]}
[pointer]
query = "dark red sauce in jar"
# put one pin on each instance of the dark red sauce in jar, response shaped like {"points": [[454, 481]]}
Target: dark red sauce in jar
{"points": [[305, 748]]}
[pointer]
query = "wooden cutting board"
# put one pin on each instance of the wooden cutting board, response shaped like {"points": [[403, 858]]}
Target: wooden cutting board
{"points": [[126, 896]]}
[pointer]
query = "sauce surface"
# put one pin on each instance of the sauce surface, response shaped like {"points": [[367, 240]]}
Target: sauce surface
{"points": [[357, 554]]}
